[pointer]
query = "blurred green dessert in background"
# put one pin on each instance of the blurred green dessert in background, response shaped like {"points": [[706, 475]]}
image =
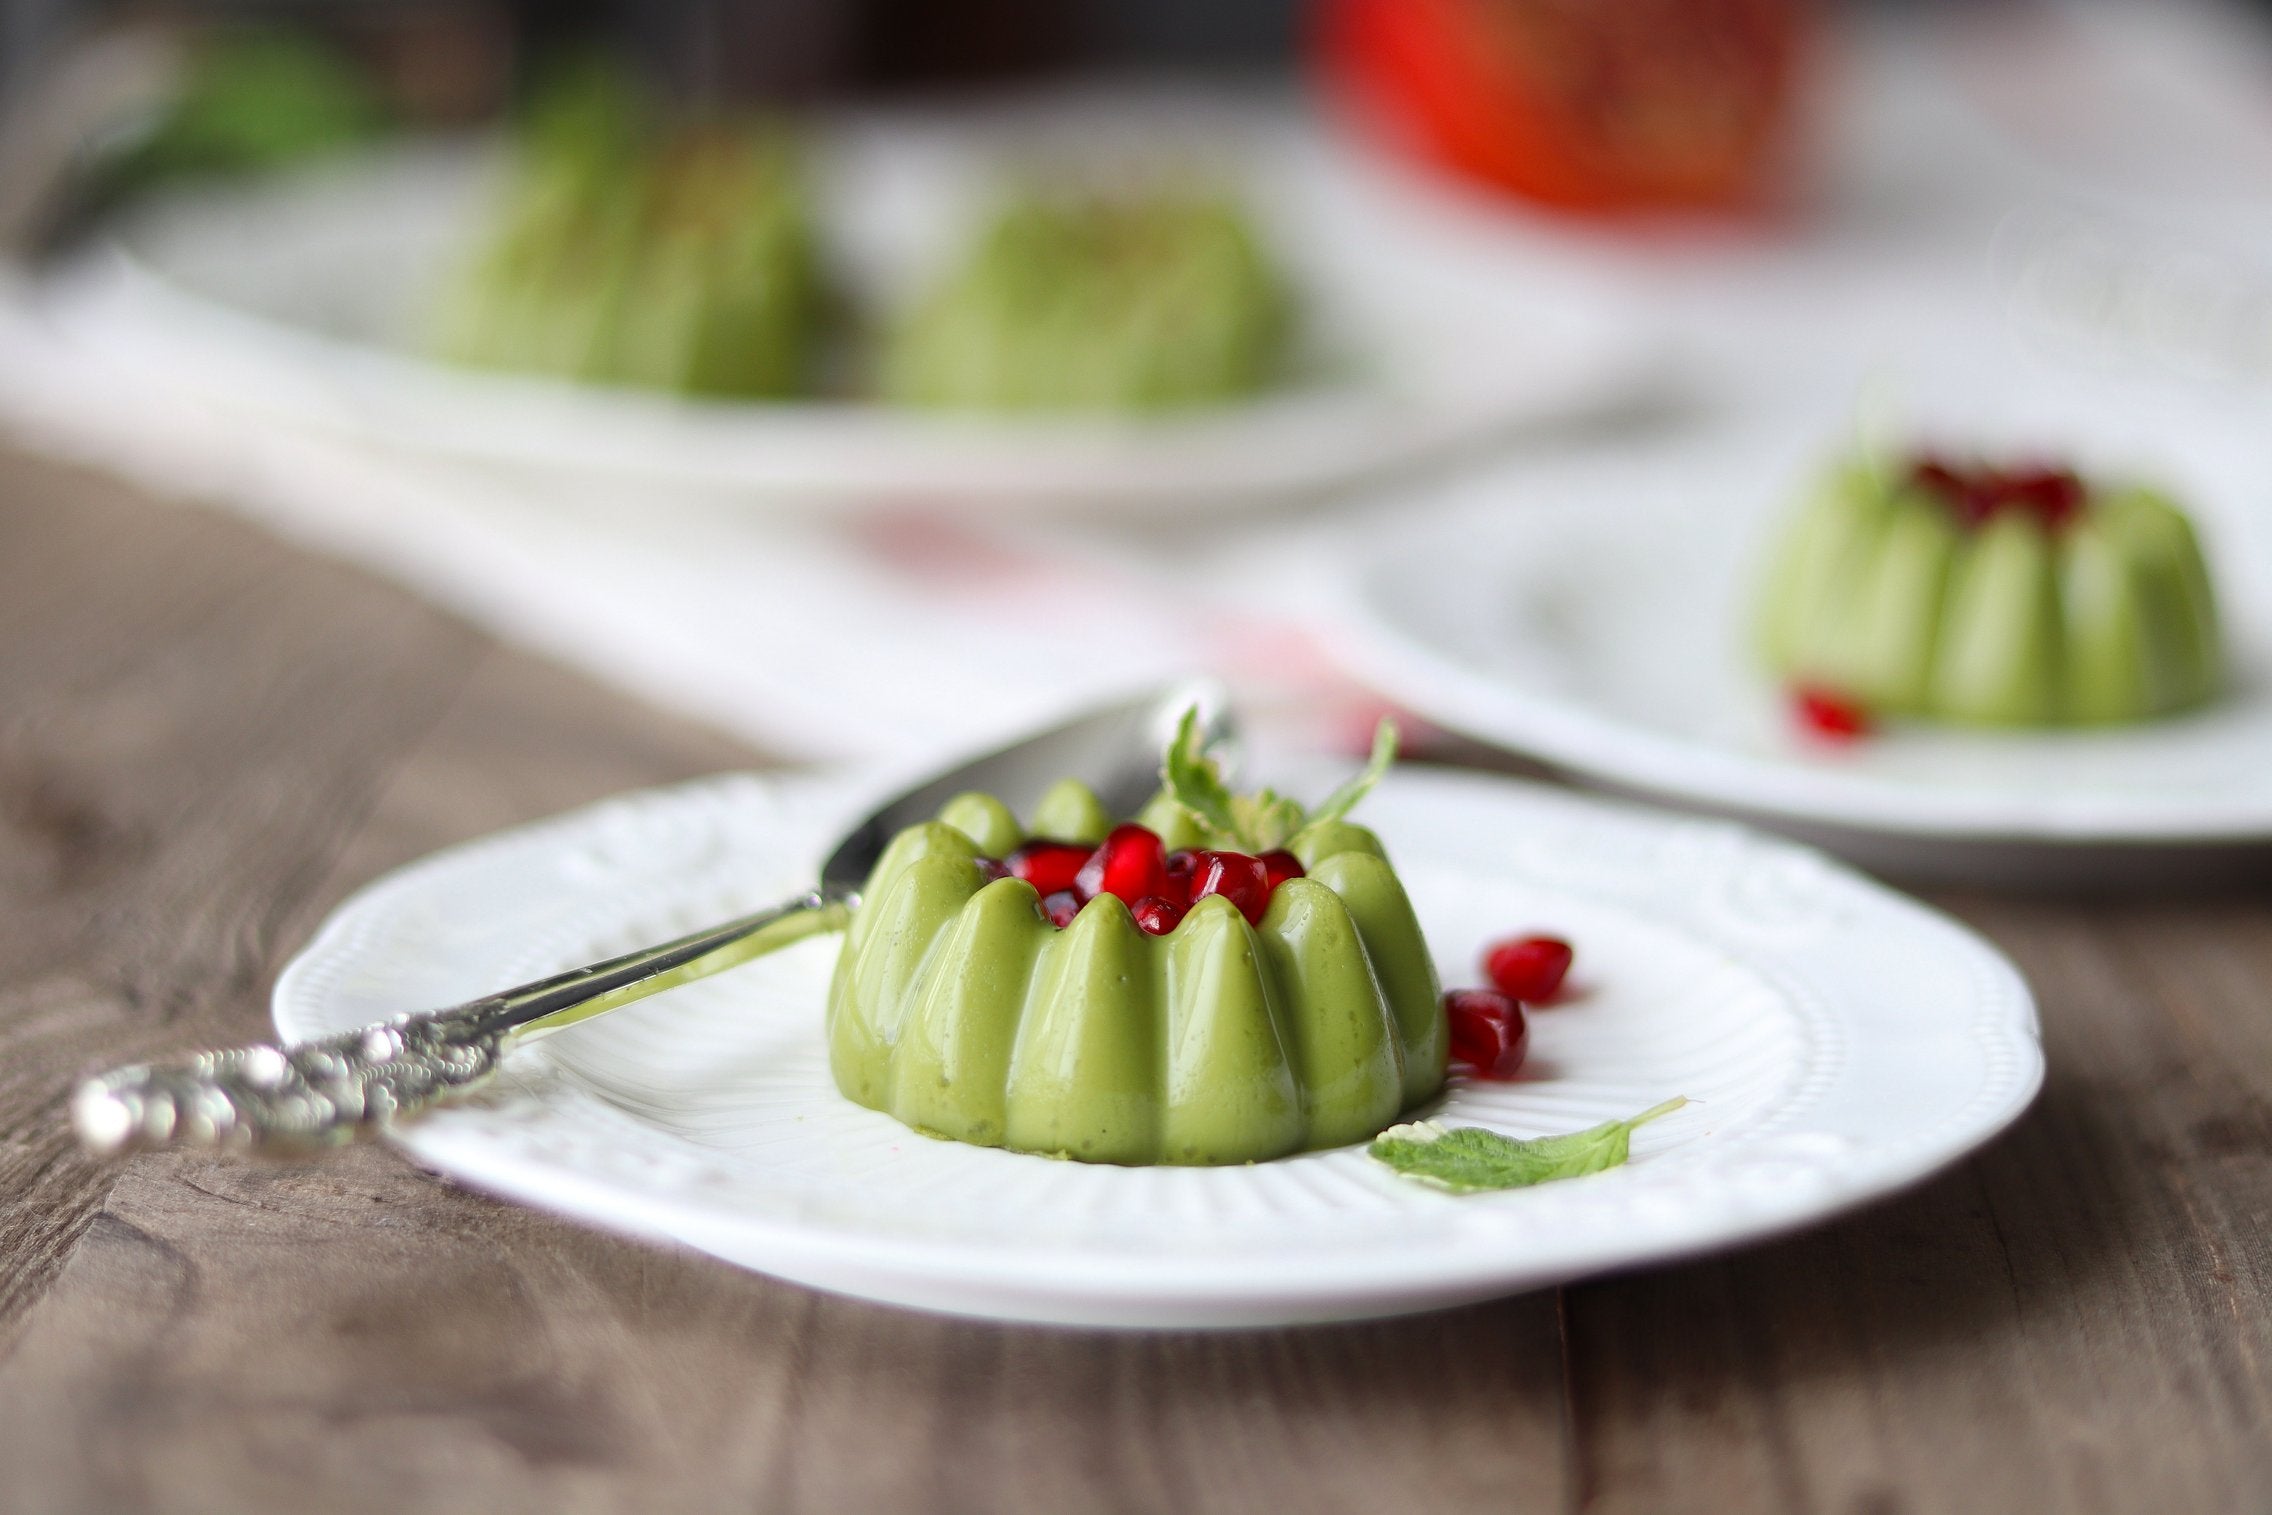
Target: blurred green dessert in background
{"points": [[1223, 979], [251, 99], [1144, 302], [631, 251], [241, 100], [1991, 596], [634, 249]]}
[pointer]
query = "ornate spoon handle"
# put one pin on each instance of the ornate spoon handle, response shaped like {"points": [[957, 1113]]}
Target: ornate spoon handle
{"points": [[283, 1100]]}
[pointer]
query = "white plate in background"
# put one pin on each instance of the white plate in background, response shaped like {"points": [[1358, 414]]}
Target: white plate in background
{"points": [[297, 302], [1595, 617], [1840, 1041]]}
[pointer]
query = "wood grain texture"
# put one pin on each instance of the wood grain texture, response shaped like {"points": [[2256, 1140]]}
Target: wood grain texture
{"points": [[206, 738]]}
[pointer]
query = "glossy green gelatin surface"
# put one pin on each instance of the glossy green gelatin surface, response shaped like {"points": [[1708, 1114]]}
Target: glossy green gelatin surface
{"points": [[960, 1010], [2097, 612]]}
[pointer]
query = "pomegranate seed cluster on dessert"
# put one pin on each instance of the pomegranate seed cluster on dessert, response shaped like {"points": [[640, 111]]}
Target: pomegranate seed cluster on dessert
{"points": [[1990, 596], [1222, 979]]}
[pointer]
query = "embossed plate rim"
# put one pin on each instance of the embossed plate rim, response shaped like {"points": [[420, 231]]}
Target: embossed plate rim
{"points": [[549, 1139]]}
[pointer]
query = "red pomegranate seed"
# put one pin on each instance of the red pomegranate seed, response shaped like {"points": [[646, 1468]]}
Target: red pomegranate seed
{"points": [[2054, 494], [1969, 492], [1279, 866], [1051, 867], [1976, 493], [1061, 907], [1130, 863], [1935, 475], [992, 868], [1156, 915], [1236, 877], [1181, 865], [1828, 715], [1528, 968], [1929, 470], [1489, 1033]]}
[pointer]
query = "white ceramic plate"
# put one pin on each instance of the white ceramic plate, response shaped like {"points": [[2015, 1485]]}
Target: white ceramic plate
{"points": [[1596, 619], [298, 302], [1840, 1042]]}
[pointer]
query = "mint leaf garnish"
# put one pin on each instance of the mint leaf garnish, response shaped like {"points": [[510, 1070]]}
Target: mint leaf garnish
{"points": [[1265, 820], [1470, 1159], [1345, 799], [1195, 780]]}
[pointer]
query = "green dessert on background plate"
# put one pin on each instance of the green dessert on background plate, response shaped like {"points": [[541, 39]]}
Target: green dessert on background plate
{"points": [[628, 251], [1993, 597], [1141, 302], [1223, 979]]}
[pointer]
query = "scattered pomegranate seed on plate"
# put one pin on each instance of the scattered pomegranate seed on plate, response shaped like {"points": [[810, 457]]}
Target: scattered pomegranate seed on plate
{"points": [[1528, 968], [1488, 1030], [1829, 716]]}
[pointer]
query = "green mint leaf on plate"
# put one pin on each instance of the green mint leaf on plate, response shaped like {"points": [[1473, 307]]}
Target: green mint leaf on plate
{"points": [[1470, 1160], [1343, 800]]}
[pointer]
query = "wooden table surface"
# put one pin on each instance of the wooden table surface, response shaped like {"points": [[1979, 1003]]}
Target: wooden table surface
{"points": [[207, 737]]}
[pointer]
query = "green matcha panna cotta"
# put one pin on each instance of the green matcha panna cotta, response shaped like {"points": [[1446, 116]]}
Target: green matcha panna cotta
{"points": [[1991, 597], [633, 244], [678, 256], [1125, 303], [1290, 1004]]}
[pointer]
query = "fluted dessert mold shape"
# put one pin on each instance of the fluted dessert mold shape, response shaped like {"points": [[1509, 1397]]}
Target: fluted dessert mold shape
{"points": [[1882, 593], [626, 250], [960, 1010], [1138, 301]]}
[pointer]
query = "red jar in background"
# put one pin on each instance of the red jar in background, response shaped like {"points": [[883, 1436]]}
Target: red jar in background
{"points": [[1589, 105]]}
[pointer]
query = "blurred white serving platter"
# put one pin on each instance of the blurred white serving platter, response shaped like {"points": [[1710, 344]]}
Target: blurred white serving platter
{"points": [[297, 302], [1839, 1040]]}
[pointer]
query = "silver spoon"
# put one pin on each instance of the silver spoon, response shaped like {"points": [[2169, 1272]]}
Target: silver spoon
{"points": [[273, 1100]]}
